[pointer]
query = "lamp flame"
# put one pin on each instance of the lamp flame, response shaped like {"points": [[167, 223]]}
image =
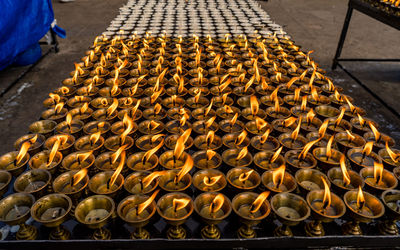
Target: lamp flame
{"points": [[93, 138], [210, 138], [276, 154], [254, 105], [240, 138], [147, 180], [110, 110], [327, 194], [243, 152], [392, 155], [264, 137], [210, 154], [277, 175], [217, 203], [295, 132], [329, 147], [256, 205], [245, 175], [360, 198], [142, 206], [378, 172], [179, 204], [307, 148], [322, 129], [152, 151], [345, 173], [22, 152], [367, 149], [118, 170], [375, 131], [185, 169], [114, 156], [76, 178], [211, 181]]}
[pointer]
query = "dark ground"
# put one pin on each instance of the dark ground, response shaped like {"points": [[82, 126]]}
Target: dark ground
{"points": [[313, 24]]}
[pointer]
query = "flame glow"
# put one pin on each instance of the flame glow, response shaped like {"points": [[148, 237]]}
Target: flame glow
{"points": [[118, 170], [217, 203], [185, 169], [256, 205], [242, 153], [327, 194], [277, 176], [76, 178], [142, 206], [152, 151], [179, 204], [378, 172], [360, 198], [211, 181]]}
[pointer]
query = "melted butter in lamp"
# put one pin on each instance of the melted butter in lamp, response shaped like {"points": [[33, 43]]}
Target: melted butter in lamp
{"points": [[206, 212], [133, 215], [16, 212], [288, 212], [53, 213], [96, 215], [33, 186], [309, 185], [318, 205], [244, 210], [171, 213], [106, 188], [365, 210]]}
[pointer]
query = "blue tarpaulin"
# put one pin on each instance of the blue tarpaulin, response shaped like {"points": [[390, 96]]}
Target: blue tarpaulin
{"points": [[22, 24]]}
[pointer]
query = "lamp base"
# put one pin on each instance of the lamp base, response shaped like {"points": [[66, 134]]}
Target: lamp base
{"points": [[314, 229], [101, 234], [26, 232], [59, 233], [246, 232], [283, 231], [388, 228], [352, 228], [176, 232], [210, 232], [140, 233]]}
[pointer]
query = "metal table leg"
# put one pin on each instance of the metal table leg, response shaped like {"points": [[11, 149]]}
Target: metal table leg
{"points": [[342, 37]]}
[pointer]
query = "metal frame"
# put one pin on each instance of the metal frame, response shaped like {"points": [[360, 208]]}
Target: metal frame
{"points": [[379, 15]]}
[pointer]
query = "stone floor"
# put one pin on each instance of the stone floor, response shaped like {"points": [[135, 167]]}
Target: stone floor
{"points": [[313, 24]]}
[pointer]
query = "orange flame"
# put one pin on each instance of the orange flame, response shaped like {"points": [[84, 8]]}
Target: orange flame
{"points": [[197, 96], [76, 178], [264, 137], [155, 95], [310, 116], [53, 151], [378, 172], [151, 152], [254, 105], [256, 205], [207, 110], [185, 169], [295, 132], [307, 148], [150, 178], [361, 120], [179, 148], [350, 136], [243, 152], [56, 98], [58, 107], [234, 119], [142, 206], [249, 83], [345, 173], [375, 131], [211, 181], [84, 108], [209, 122], [210, 154], [22, 152], [210, 137], [240, 138], [360, 198], [314, 94], [277, 175], [303, 106], [392, 155], [81, 157], [340, 117], [179, 204], [322, 129], [368, 148], [128, 124], [296, 97], [289, 121], [114, 156], [276, 154], [93, 138], [217, 203], [110, 110], [245, 175], [329, 147], [118, 170], [327, 194]]}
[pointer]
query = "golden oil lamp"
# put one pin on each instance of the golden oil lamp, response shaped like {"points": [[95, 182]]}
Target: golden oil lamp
{"points": [[5, 180], [254, 110], [293, 141], [15, 162], [236, 140], [113, 143], [142, 182], [337, 125], [264, 142], [70, 126], [177, 113], [320, 135], [56, 114], [362, 207], [363, 157], [290, 210], [278, 180], [258, 126], [251, 208], [281, 126], [390, 199], [310, 179], [361, 124], [208, 141], [151, 127], [243, 179], [78, 101], [155, 113], [83, 113], [172, 102], [33, 182], [104, 114], [197, 101], [202, 127], [66, 142], [390, 157], [380, 140], [171, 140], [213, 208], [327, 157], [148, 142], [102, 102], [344, 179], [209, 180], [277, 112], [178, 126], [221, 101], [347, 140], [310, 123], [53, 100], [378, 179], [351, 110], [78, 160], [51, 211], [177, 180], [108, 182], [231, 125], [325, 207], [93, 142], [237, 157], [207, 159], [226, 112], [301, 159], [47, 159], [35, 142], [44, 127], [326, 111], [94, 213], [136, 210], [73, 184], [144, 160], [15, 210], [267, 160], [175, 208], [64, 91], [90, 90]]}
